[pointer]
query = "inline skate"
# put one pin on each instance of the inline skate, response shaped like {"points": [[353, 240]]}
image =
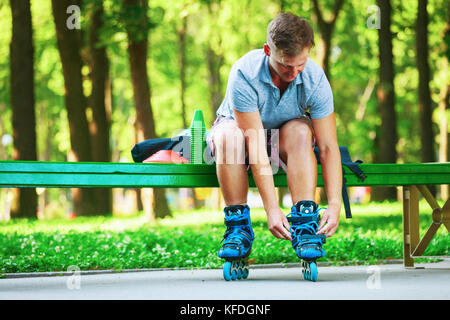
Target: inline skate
{"points": [[237, 242], [304, 219]]}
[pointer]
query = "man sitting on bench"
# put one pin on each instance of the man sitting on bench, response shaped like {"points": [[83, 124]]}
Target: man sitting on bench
{"points": [[272, 88]]}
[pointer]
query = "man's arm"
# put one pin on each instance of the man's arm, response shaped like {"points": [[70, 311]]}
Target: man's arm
{"points": [[251, 124], [330, 158]]}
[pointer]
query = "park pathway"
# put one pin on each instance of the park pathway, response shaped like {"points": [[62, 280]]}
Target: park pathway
{"points": [[430, 281]]}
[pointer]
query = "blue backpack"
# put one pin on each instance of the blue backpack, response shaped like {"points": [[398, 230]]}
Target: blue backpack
{"points": [[346, 161]]}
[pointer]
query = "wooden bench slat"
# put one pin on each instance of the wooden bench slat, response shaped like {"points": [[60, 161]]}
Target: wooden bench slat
{"points": [[132, 175], [419, 168], [168, 168], [104, 167], [93, 180]]}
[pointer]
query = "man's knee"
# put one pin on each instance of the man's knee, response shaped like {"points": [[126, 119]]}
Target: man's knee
{"points": [[229, 143], [296, 135]]}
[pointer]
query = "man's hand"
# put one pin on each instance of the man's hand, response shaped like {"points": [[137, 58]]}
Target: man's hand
{"points": [[329, 222], [278, 224]]}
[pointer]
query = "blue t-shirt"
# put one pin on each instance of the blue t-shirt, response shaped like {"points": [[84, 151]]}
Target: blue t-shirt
{"points": [[250, 88]]}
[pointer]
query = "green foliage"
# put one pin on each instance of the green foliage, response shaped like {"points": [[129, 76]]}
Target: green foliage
{"points": [[51, 117], [192, 239], [5, 110], [130, 18], [230, 28]]}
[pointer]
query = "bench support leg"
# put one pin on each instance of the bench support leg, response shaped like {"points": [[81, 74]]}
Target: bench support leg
{"points": [[413, 246], [410, 223]]}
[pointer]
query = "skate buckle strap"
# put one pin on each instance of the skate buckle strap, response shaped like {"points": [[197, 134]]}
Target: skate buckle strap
{"points": [[233, 223], [308, 239], [236, 233], [237, 240], [321, 237], [303, 219]]}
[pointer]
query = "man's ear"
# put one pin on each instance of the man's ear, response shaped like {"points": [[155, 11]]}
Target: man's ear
{"points": [[267, 49]]}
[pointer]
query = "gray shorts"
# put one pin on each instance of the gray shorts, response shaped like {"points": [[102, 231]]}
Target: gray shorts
{"points": [[272, 136]]}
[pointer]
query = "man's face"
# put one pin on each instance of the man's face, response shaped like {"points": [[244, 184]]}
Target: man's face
{"points": [[286, 67]]}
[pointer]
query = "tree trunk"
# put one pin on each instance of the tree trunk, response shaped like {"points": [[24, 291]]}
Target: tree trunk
{"points": [[181, 32], [22, 101], [100, 104], [69, 44], [326, 32], [324, 47], [387, 138], [444, 106], [145, 124], [45, 120], [425, 109], [215, 62], [3, 154], [182, 65], [425, 104]]}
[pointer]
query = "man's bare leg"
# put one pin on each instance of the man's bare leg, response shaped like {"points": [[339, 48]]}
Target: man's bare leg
{"points": [[296, 150], [232, 175], [230, 162]]}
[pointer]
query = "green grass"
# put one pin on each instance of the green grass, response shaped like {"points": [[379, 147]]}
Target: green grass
{"points": [[191, 240]]}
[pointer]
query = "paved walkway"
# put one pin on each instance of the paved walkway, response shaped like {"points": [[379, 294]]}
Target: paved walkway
{"points": [[429, 281]]}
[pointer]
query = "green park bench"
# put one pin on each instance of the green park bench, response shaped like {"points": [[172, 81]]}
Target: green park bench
{"points": [[412, 177]]}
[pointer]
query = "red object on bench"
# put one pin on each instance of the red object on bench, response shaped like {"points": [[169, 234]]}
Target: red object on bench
{"points": [[166, 156]]}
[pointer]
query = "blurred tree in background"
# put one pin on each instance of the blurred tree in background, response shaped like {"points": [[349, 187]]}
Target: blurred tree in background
{"points": [[23, 100], [130, 70]]}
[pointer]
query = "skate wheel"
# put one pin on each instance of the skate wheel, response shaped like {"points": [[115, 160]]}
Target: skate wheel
{"points": [[239, 274], [245, 273], [306, 275], [305, 270], [227, 271], [309, 271], [313, 271], [235, 269]]}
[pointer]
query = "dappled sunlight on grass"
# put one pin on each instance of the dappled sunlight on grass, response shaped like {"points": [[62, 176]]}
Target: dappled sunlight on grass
{"points": [[204, 216], [79, 224], [191, 240]]}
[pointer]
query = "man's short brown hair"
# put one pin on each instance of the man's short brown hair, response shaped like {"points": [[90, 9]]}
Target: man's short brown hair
{"points": [[289, 34]]}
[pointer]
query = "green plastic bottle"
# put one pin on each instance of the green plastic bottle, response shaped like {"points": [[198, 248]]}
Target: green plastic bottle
{"points": [[198, 137]]}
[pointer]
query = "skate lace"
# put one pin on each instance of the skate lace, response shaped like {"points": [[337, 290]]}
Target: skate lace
{"points": [[299, 229]]}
